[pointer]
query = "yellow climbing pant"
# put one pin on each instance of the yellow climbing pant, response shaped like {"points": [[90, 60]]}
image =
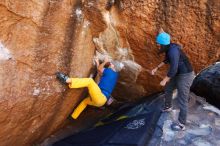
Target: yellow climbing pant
{"points": [[96, 97]]}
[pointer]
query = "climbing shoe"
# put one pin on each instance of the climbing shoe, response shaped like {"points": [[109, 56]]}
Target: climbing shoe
{"points": [[167, 109], [178, 127], [62, 77], [70, 118]]}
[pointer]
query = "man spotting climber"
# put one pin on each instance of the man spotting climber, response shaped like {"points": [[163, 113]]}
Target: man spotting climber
{"points": [[100, 93], [179, 76]]}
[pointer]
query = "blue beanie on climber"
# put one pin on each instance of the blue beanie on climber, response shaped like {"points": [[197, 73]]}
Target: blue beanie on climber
{"points": [[163, 38]]}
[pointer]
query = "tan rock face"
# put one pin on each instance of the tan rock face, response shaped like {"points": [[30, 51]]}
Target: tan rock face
{"points": [[40, 37]]}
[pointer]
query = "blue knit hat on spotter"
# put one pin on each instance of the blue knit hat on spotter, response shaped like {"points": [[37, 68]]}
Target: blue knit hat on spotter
{"points": [[163, 38]]}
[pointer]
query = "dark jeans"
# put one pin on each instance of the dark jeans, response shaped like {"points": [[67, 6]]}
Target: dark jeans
{"points": [[182, 83]]}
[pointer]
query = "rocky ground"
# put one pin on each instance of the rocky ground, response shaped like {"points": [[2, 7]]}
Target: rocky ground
{"points": [[202, 129], [40, 37]]}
